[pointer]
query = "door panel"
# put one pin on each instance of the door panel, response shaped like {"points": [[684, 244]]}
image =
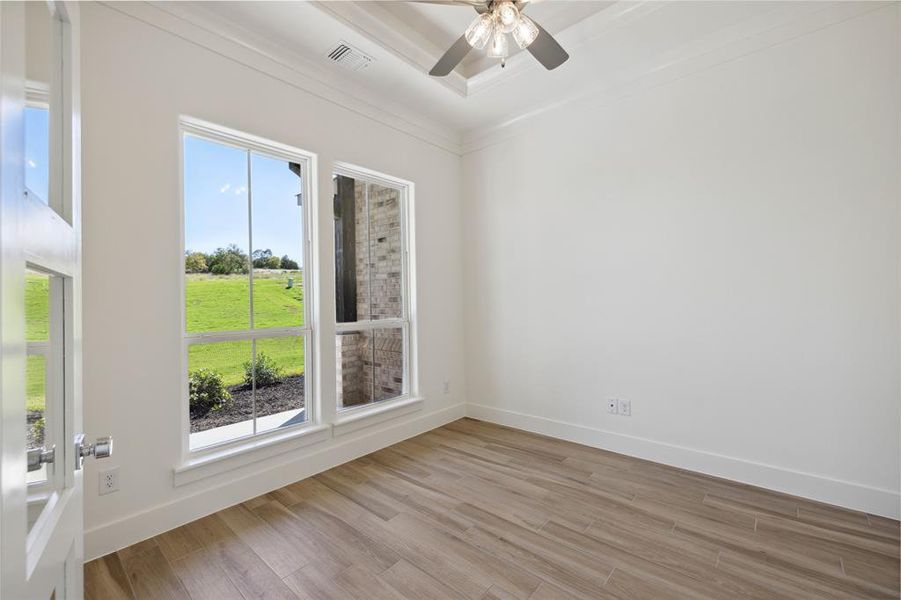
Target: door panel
{"points": [[41, 525]]}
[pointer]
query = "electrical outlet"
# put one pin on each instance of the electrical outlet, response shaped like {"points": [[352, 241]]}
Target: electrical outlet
{"points": [[625, 408], [613, 406], [447, 387], [109, 481]]}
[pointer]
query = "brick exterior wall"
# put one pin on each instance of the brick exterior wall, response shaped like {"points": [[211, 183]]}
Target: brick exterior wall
{"points": [[371, 363]]}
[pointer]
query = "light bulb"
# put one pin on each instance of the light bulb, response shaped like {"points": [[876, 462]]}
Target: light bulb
{"points": [[507, 16], [525, 32], [479, 31], [498, 47]]}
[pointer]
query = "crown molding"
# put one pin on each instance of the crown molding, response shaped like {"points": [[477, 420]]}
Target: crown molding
{"points": [[749, 36], [203, 28], [393, 35]]}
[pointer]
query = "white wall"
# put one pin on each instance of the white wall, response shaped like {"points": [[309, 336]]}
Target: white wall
{"points": [[723, 251], [137, 80]]}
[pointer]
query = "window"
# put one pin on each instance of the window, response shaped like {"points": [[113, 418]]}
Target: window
{"points": [[247, 329], [37, 151], [372, 288]]}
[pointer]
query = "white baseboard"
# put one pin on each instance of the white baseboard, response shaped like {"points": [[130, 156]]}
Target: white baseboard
{"points": [[118, 534], [856, 496]]}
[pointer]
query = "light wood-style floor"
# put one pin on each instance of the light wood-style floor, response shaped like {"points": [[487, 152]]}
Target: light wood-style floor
{"points": [[474, 510]]}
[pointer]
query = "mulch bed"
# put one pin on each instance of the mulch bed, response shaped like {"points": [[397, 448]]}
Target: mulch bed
{"points": [[287, 395]]}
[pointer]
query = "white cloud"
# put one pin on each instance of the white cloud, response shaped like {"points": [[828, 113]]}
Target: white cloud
{"points": [[240, 190], [224, 188], [32, 164]]}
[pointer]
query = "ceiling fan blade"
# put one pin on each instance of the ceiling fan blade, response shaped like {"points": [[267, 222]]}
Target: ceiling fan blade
{"points": [[546, 50], [451, 58]]}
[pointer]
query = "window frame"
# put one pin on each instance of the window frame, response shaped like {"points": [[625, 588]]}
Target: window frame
{"points": [[408, 321], [189, 126]]}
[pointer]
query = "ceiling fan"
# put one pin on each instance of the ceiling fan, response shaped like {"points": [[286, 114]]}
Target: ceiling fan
{"points": [[495, 20]]}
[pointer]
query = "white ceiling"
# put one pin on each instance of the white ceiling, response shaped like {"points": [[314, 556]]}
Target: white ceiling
{"points": [[611, 45]]}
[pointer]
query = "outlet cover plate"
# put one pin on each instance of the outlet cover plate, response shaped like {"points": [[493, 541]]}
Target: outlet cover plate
{"points": [[108, 481], [625, 408], [613, 406]]}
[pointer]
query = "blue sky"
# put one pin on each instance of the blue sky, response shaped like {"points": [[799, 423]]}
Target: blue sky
{"points": [[216, 196], [37, 151]]}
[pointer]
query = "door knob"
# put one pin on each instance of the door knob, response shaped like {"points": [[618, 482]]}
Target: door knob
{"points": [[102, 448], [40, 456]]}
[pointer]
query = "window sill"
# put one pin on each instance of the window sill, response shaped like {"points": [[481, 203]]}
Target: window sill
{"points": [[221, 460], [357, 418]]}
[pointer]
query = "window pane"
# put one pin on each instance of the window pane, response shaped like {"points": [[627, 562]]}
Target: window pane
{"points": [[388, 364], [40, 29], [37, 306], [277, 242], [217, 287], [353, 349], [385, 258], [35, 408], [351, 250], [37, 336], [370, 366], [220, 392], [37, 153], [279, 376], [368, 251]]}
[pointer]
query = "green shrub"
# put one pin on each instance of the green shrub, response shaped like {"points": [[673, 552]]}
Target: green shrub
{"points": [[206, 391], [37, 430], [265, 369], [288, 264]]}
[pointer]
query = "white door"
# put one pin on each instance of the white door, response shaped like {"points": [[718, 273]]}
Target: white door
{"points": [[41, 523]]}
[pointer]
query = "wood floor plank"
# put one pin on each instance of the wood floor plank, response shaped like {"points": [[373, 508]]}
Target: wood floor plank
{"points": [[410, 582], [152, 578], [478, 511], [105, 579], [204, 578], [266, 541]]}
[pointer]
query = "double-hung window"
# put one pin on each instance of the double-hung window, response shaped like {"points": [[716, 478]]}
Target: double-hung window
{"points": [[247, 258], [373, 288]]}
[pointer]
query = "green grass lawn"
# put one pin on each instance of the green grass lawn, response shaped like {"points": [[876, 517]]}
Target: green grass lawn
{"points": [[222, 303], [37, 300], [214, 303]]}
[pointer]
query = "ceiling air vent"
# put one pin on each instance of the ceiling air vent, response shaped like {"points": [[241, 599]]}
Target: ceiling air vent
{"points": [[349, 57]]}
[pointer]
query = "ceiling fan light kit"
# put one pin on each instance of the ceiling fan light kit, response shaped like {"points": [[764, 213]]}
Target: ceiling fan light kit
{"points": [[496, 19], [479, 31], [499, 47], [525, 32]]}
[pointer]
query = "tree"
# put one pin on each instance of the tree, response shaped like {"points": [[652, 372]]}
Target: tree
{"points": [[228, 261], [288, 264], [263, 259], [195, 262]]}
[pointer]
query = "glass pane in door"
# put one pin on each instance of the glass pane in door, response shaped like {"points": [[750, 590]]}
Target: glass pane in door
{"points": [[41, 77], [43, 386], [37, 325]]}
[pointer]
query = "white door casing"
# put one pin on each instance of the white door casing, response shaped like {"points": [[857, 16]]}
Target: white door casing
{"points": [[41, 557]]}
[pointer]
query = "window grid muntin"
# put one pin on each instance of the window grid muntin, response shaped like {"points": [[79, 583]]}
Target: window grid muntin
{"points": [[404, 322], [251, 144]]}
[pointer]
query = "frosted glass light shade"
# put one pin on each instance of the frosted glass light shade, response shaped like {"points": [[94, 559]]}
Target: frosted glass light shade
{"points": [[507, 16], [498, 48], [525, 32], [479, 31]]}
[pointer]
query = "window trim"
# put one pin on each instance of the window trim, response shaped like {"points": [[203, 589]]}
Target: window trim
{"points": [[408, 320], [309, 189]]}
